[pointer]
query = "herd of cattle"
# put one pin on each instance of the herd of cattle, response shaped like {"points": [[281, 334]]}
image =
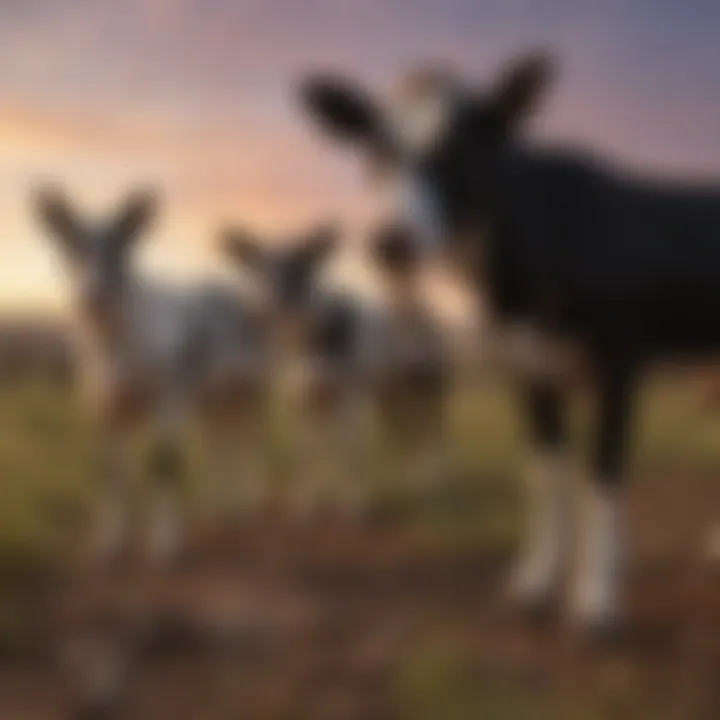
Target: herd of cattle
{"points": [[580, 271], [215, 352]]}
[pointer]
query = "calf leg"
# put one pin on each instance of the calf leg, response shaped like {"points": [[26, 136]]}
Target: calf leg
{"points": [[350, 466], [430, 446], [166, 468], [237, 450], [111, 513], [594, 591], [315, 459], [539, 567]]}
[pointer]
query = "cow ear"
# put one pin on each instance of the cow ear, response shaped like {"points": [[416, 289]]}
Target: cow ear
{"points": [[320, 244], [244, 249], [340, 108], [58, 217], [135, 216], [520, 87]]}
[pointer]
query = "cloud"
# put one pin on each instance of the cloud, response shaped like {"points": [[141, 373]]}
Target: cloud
{"points": [[196, 95]]}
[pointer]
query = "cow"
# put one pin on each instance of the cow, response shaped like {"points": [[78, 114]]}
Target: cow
{"points": [[158, 353], [411, 389], [596, 271], [314, 334], [354, 359]]}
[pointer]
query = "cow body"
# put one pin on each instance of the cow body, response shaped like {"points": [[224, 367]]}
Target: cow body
{"points": [[174, 356], [353, 356], [590, 271], [178, 341], [160, 355], [589, 253]]}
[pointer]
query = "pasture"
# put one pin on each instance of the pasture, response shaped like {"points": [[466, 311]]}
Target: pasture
{"points": [[398, 616]]}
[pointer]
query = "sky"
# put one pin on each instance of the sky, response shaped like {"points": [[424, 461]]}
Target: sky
{"points": [[196, 96]]}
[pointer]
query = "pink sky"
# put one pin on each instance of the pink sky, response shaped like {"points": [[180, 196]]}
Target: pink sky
{"points": [[195, 95]]}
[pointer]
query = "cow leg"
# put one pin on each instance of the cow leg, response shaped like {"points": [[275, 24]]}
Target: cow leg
{"points": [[110, 519], [538, 569], [236, 447], [600, 548], [221, 490], [431, 448], [166, 468], [309, 448], [350, 461], [327, 456]]}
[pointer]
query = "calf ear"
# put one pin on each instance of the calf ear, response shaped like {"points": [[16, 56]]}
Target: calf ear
{"points": [[344, 111], [135, 216], [320, 244], [59, 218], [244, 249], [519, 88]]}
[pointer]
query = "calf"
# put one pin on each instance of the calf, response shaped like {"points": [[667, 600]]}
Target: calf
{"points": [[355, 357], [152, 352], [596, 270], [410, 387], [316, 337]]}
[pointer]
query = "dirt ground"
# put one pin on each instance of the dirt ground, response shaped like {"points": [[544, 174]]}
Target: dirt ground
{"points": [[366, 621]]}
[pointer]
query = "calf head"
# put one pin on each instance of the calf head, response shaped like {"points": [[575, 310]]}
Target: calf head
{"points": [[97, 252], [398, 261], [436, 148], [288, 274]]}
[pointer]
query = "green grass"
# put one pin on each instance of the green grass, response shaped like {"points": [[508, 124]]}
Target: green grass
{"points": [[46, 461], [46, 484]]}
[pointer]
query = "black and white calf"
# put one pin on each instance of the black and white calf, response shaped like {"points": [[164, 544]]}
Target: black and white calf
{"points": [[157, 353], [410, 389], [589, 264], [356, 357], [315, 336]]}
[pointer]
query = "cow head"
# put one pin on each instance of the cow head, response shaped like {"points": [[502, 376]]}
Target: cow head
{"points": [[288, 274], [436, 148], [97, 252]]}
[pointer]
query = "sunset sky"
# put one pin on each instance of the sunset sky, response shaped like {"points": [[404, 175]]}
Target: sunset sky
{"points": [[196, 96]]}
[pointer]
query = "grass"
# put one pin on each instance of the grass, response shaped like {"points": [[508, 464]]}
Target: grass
{"points": [[46, 461], [46, 488]]}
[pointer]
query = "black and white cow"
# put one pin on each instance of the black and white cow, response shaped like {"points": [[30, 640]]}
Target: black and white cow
{"points": [[160, 353], [314, 336], [357, 358], [591, 264]]}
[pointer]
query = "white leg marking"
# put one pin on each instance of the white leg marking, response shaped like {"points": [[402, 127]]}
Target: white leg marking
{"points": [[593, 599], [540, 564]]}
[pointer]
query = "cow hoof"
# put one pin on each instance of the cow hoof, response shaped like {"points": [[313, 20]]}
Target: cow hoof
{"points": [[533, 605], [533, 585], [595, 618], [597, 630]]}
